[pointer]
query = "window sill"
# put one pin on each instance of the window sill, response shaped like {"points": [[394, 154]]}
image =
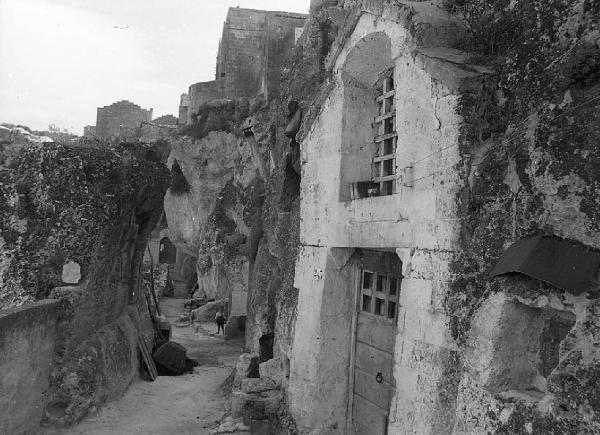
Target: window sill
{"points": [[374, 198]]}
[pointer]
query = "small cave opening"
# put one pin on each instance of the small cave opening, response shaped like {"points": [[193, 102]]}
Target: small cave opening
{"points": [[167, 252], [179, 184], [266, 343]]}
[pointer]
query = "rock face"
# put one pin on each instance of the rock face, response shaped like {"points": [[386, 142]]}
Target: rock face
{"points": [[241, 216], [474, 354], [506, 143], [534, 172], [208, 222], [81, 216]]}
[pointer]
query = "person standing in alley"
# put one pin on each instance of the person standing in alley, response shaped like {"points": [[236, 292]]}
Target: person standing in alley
{"points": [[220, 319]]}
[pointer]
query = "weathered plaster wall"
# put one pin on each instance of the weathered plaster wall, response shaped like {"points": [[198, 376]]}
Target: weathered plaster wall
{"points": [[323, 338], [420, 221], [27, 339]]}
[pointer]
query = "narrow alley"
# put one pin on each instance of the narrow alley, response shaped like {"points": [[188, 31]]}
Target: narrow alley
{"points": [[187, 404], [310, 217]]}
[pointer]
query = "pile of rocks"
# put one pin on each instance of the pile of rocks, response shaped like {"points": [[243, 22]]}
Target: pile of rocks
{"points": [[257, 388]]}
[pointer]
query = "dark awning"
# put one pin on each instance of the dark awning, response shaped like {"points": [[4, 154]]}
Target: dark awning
{"points": [[565, 264]]}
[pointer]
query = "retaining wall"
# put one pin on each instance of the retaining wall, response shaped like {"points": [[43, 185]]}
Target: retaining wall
{"points": [[27, 341]]}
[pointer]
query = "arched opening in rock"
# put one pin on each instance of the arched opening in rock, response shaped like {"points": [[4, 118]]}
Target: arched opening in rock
{"points": [[179, 184], [266, 347], [167, 253]]}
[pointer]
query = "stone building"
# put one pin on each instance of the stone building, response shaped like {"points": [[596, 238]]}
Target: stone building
{"points": [[252, 49], [184, 103], [379, 225], [165, 120], [89, 131], [121, 119]]}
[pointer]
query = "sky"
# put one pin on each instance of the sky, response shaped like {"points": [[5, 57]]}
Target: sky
{"points": [[61, 59]]}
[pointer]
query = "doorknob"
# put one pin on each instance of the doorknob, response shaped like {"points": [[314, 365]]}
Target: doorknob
{"points": [[379, 378]]}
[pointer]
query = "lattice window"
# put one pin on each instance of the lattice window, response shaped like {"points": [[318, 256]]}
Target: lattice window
{"points": [[384, 163], [379, 294]]}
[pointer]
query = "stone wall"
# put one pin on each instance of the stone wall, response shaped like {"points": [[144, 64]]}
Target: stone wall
{"points": [[111, 119], [202, 93], [281, 38], [252, 50], [89, 131], [27, 342], [242, 52], [165, 120], [184, 103]]}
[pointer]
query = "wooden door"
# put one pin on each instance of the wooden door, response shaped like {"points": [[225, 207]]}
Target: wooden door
{"points": [[374, 383]]}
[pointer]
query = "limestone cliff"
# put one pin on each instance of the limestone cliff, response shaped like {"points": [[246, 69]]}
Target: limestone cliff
{"points": [[534, 170], [240, 218], [74, 226]]}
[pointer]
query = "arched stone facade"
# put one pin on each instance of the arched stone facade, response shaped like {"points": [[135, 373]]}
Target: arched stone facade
{"points": [[419, 221]]}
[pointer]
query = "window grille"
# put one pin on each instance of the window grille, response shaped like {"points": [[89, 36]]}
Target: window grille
{"points": [[379, 294], [386, 139]]}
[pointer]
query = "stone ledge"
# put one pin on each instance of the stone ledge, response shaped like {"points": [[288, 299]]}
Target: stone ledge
{"points": [[257, 385], [28, 314]]}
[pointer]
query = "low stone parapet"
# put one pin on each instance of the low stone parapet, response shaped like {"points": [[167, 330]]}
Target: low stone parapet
{"points": [[27, 342]]}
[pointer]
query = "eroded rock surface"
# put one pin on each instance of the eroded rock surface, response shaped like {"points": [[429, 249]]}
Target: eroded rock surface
{"points": [[81, 216]]}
